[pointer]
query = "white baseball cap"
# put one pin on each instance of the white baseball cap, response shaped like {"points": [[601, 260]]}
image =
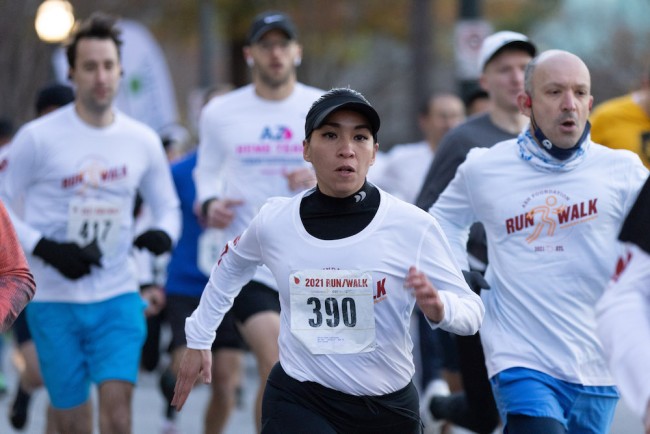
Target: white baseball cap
{"points": [[494, 43]]}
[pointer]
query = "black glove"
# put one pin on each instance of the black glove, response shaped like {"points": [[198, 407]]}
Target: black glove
{"points": [[68, 258], [476, 281], [205, 205], [156, 241]]}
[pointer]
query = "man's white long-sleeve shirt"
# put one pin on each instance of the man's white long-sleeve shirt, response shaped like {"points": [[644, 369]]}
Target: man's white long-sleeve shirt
{"points": [[247, 146], [78, 183], [551, 231]]}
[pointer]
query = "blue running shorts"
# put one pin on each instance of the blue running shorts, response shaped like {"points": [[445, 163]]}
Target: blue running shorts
{"points": [[83, 343], [581, 409]]}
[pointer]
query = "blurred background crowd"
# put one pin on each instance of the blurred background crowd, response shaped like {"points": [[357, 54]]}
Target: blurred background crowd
{"points": [[395, 51]]}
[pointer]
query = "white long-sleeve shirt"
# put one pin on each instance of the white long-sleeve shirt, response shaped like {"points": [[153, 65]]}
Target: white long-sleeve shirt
{"points": [[79, 182], [247, 146], [624, 329], [551, 232], [405, 169], [382, 253]]}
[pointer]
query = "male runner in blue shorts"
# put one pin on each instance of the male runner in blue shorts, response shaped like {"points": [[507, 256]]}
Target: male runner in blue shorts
{"points": [[78, 170]]}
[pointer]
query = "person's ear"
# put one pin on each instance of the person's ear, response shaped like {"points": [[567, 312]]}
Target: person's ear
{"points": [[305, 151], [297, 61], [591, 102], [525, 103], [375, 149], [483, 83], [248, 58]]}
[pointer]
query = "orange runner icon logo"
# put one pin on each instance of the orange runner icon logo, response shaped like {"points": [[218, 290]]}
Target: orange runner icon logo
{"points": [[545, 220]]}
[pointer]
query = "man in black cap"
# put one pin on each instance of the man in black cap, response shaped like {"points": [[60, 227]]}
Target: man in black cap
{"points": [[349, 272], [250, 149]]}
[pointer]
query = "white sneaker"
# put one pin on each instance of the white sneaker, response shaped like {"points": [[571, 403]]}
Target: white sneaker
{"points": [[437, 387], [169, 427]]}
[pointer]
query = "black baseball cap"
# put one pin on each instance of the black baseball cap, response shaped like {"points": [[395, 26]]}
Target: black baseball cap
{"points": [[6, 128], [337, 99], [53, 95], [271, 20]]}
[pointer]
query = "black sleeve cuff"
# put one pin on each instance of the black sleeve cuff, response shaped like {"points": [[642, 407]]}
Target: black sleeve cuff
{"points": [[635, 228], [205, 205]]}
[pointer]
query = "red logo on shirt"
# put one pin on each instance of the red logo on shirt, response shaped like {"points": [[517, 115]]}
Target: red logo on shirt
{"points": [[380, 294], [95, 175], [621, 264], [225, 248], [545, 218], [223, 253]]}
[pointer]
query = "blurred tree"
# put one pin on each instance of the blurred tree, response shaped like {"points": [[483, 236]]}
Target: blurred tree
{"points": [[366, 44], [611, 36], [24, 60]]}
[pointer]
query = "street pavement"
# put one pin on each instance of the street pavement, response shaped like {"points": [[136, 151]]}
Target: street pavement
{"points": [[149, 407]]}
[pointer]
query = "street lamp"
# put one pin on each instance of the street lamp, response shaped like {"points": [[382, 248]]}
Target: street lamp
{"points": [[54, 20]]}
